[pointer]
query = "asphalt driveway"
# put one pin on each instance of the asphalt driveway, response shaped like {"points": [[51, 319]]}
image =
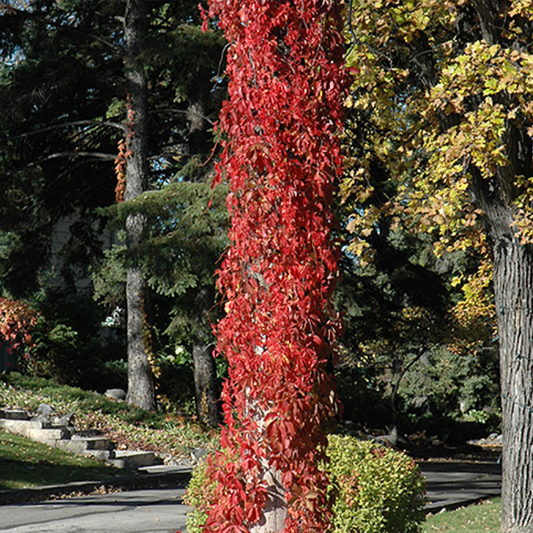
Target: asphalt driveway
{"points": [[140, 511], [450, 484]]}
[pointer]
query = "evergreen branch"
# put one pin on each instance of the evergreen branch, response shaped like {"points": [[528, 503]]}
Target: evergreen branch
{"points": [[7, 9]]}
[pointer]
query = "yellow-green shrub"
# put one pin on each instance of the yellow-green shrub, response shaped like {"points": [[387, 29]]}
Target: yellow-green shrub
{"points": [[378, 489], [197, 497]]}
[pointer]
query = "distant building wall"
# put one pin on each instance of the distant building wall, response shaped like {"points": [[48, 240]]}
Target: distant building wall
{"points": [[8, 358], [62, 233]]}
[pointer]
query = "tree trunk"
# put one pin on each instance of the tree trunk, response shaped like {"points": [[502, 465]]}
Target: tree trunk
{"points": [[281, 157], [205, 375], [513, 285], [205, 383], [141, 390], [513, 292], [275, 511]]}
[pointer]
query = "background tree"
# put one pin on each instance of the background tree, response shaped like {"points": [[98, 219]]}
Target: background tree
{"points": [[56, 141], [64, 85], [141, 388], [185, 234], [401, 302], [281, 158], [451, 83]]}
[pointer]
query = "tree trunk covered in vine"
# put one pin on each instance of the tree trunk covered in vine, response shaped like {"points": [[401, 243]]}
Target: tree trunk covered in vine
{"points": [[282, 160], [141, 391]]}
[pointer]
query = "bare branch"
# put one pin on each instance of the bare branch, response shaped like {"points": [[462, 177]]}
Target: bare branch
{"points": [[115, 125], [96, 156], [93, 155], [182, 112]]}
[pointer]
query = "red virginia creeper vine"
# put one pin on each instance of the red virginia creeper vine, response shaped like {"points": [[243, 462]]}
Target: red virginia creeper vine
{"points": [[123, 153], [282, 159]]}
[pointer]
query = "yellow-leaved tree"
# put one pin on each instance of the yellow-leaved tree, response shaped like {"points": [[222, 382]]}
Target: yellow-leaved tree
{"points": [[447, 86]]}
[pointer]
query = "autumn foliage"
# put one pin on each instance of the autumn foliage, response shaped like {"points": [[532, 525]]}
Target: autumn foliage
{"points": [[281, 157], [17, 320]]}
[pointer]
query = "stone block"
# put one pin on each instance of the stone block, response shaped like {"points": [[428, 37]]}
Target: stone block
{"points": [[49, 435], [92, 443], [116, 394], [132, 460], [14, 414]]}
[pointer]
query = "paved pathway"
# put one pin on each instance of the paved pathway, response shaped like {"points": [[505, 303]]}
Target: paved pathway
{"points": [[451, 484], [161, 510], [140, 511]]}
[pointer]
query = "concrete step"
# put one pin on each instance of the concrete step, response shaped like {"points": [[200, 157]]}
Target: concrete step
{"points": [[93, 443], [21, 426], [63, 436], [49, 435], [165, 469], [14, 414], [36, 430], [99, 447], [132, 460]]}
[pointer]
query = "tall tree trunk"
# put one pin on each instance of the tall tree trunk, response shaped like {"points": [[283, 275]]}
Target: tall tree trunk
{"points": [[513, 285], [205, 375], [282, 158], [513, 291], [141, 391]]}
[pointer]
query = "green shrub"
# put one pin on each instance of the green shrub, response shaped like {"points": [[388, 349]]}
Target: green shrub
{"points": [[376, 489], [197, 496]]}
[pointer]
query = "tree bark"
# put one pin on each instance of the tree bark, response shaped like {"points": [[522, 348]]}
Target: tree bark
{"points": [[205, 375], [513, 286], [513, 292], [205, 383], [275, 511], [141, 391]]}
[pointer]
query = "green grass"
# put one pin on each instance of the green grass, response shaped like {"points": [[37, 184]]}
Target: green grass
{"points": [[480, 518], [24, 463]]}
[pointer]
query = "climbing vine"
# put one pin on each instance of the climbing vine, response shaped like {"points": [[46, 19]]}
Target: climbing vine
{"points": [[281, 158], [124, 152]]}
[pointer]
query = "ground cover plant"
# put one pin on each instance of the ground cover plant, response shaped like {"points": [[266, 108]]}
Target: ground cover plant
{"points": [[25, 463], [129, 427], [480, 518]]}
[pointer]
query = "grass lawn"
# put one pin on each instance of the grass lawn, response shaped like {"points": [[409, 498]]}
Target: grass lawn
{"points": [[480, 518], [24, 463]]}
